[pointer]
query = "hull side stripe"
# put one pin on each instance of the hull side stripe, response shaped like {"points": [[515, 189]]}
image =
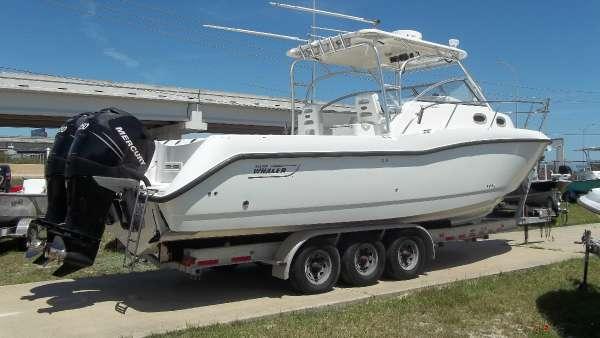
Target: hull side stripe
{"points": [[239, 157]]}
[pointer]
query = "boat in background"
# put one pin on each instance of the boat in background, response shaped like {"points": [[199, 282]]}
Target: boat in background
{"points": [[542, 193], [586, 179], [29, 203], [591, 200]]}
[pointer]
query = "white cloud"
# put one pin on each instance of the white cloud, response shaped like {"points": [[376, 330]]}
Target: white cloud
{"points": [[121, 57], [94, 31]]}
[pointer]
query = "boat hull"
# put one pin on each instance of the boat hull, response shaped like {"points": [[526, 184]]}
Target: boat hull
{"points": [[582, 187], [541, 194], [273, 193], [14, 206], [591, 200]]}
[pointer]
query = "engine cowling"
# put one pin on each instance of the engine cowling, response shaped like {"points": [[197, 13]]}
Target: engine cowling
{"points": [[109, 143], [55, 169]]}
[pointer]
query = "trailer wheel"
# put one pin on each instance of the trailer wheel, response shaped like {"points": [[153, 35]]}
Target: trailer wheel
{"points": [[31, 236], [363, 263], [315, 269], [406, 257]]}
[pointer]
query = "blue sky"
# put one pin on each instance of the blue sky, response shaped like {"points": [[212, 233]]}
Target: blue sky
{"points": [[551, 46]]}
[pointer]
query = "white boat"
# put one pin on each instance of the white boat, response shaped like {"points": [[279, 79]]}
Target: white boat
{"points": [[591, 200], [439, 154], [586, 179], [29, 203], [386, 163]]}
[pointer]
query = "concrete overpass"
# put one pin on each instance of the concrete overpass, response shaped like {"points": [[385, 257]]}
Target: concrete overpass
{"points": [[28, 100]]}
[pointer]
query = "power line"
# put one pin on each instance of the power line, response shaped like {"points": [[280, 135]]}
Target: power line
{"points": [[580, 91]]}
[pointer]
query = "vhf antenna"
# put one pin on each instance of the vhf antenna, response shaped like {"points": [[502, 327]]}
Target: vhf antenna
{"points": [[313, 27], [373, 22], [247, 31], [329, 29]]}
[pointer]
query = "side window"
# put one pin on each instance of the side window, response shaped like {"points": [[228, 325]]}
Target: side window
{"points": [[479, 118]]}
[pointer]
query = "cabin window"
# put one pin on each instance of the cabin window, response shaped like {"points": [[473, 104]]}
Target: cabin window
{"points": [[500, 121], [479, 118]]}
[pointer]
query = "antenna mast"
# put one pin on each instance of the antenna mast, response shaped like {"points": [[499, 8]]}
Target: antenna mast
{"points": [[373, 22], [313, 35], [247, 31], [329, 29]]}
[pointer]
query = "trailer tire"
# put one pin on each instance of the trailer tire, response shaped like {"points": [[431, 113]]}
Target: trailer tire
{"points": [[406, 257], [363, 263], [315, 269], [32, 234]]}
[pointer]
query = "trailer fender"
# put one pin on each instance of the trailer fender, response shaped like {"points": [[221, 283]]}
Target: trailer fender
{"points": [[286, 252], [23, 227]]}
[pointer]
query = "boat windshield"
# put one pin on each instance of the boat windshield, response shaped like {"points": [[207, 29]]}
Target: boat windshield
{"points": [[452, 90]]}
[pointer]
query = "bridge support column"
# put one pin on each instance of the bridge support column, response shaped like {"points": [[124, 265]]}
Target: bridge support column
{"points": [[195, 124]]}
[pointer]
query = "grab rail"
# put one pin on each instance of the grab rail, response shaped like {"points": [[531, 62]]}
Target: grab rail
{"points": [[543, 110]]}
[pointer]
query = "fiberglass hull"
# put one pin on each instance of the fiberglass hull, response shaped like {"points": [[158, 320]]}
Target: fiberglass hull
{"points": [[14, 206], [582, 187], [591, 200], [261, 193]]}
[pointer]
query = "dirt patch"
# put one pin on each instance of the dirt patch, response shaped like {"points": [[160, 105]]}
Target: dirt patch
{"points": [[27, 170]]}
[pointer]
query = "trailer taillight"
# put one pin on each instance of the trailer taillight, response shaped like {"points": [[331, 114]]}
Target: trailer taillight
{"points": [[241, 259], [207, 262]]}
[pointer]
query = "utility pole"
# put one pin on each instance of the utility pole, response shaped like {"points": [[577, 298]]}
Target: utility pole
{"points": [[583, 130], [314, 33]]}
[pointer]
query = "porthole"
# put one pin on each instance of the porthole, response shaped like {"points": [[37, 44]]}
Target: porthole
{"points": [[479, 118], [500, 121]]}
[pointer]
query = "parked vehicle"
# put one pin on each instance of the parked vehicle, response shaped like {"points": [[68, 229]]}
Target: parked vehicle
{"points": [[18, 209], [5, 178], [356, 190], [586, 179]]}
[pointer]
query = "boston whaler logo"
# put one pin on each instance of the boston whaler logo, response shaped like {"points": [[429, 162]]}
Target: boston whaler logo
{"points": [[274, 170], [130, 144]]}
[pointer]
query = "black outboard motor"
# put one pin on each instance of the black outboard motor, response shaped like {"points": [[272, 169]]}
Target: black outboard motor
{"points": [[109, 143], [56, 188], [55, 169]]}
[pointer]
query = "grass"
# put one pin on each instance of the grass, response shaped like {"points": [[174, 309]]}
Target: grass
{"points": [[540, 302], [579, 215], [15, 269]]}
